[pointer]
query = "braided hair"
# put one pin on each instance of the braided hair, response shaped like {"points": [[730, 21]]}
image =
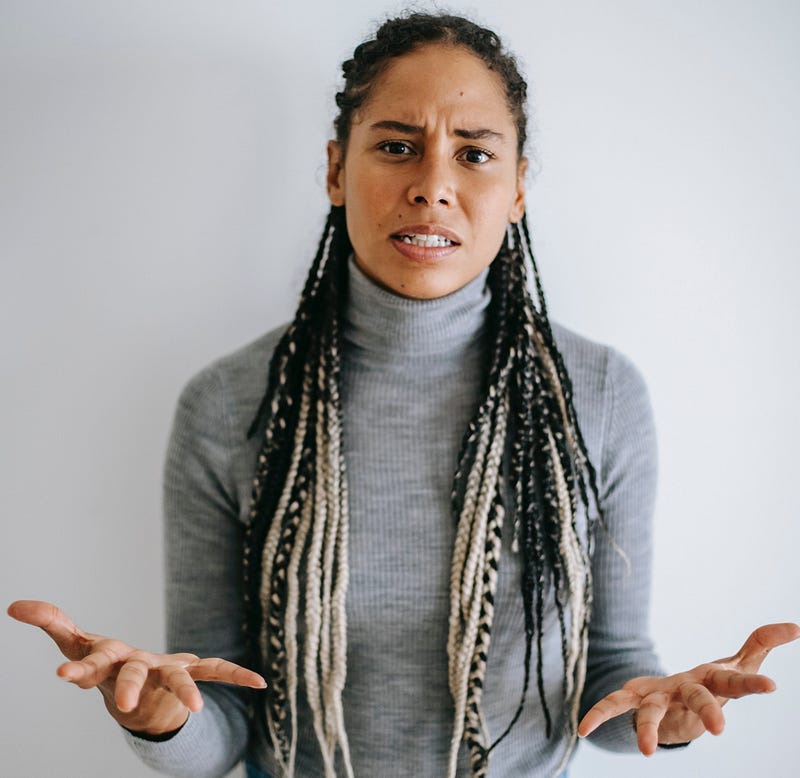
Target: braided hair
{"points": [[522, 453]]}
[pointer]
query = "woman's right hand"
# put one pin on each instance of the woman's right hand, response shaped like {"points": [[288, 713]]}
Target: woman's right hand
{"points": [[144, 692]]}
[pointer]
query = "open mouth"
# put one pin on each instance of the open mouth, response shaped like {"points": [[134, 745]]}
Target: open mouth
{"points": [[425, 241]]}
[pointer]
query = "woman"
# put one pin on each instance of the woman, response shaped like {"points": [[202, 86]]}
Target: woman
{"points": [[408, 621]]}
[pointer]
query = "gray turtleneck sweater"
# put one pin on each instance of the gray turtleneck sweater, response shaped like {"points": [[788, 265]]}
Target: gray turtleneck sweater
{"points": [[411, 378]]}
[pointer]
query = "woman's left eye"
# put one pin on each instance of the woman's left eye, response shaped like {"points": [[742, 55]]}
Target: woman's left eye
{"points": [[476, 156]]}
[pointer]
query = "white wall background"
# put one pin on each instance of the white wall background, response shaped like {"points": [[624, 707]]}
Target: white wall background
{"points": [[160, 199]]}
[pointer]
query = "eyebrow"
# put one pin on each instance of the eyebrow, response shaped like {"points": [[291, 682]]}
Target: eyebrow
{"points": [[413, 129]]}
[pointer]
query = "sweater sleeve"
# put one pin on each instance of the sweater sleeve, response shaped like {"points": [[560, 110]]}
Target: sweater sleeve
{"points": [[203, 539], [619, 643]]}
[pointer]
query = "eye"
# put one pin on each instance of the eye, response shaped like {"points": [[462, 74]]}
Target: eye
{"points": [[476, 156], [397, 148]]}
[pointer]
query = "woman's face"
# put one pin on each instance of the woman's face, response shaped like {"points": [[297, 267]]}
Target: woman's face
{"points": [[430, 177]]}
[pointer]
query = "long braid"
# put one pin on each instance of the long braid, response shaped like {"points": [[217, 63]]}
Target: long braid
{"points": [[299, 516]]}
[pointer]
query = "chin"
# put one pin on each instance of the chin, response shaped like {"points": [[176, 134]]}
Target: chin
{"points": [[426, 290], [415, 282]]}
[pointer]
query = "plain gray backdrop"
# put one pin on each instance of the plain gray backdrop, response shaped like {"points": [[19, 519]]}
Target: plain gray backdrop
{"points": [[161, 196]]}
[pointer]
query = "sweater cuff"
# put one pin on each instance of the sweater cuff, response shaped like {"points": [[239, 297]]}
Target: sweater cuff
{"points": [[157, 738]]}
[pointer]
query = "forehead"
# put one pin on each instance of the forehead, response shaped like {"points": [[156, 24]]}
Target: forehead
{"points": [[438, 78]]}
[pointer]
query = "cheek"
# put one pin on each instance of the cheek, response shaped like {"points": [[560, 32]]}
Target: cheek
{"points": [[368, 188], [491, 211], [494, 200], [367, 205]]}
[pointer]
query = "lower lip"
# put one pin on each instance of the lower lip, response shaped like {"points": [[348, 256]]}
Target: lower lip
{"points": [[424, 253]]}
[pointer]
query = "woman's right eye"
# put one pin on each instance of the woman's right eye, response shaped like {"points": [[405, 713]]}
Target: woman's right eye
{"points": [[396, 148]]}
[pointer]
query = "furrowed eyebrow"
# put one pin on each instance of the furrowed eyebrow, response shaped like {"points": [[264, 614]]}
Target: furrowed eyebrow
{"points": [[413, 129], [406, 129], [480, 134]]}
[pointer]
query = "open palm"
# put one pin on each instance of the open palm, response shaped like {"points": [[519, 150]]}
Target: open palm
{"points": [[681, 707], [143, 691]]}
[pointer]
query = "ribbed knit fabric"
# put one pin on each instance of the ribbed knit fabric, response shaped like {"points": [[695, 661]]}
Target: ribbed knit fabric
{"points": [[412, 374]]}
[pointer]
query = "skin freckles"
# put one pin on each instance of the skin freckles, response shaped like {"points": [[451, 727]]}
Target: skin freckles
{"points": [[430, 156]]}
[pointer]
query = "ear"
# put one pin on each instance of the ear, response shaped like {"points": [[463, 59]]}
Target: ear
{"points": [[518, 205], [335, 173]]}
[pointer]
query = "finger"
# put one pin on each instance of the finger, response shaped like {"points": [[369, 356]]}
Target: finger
{"points": [[130, 682], [698, 699], [215, 669], [648, 719], [177, 679], [762, 641], [615, 704], [734, 684], [96, 666], [71, 640]]}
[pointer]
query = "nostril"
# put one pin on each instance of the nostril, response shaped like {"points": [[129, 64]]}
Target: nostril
{"points": [[420, 199]]}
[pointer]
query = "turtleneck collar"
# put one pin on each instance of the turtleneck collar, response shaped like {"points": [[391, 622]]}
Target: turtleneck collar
{"points": [[378, 320]]}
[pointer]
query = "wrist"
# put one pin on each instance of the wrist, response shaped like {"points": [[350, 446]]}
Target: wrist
{"points": [[660, 745], [158, 719]]}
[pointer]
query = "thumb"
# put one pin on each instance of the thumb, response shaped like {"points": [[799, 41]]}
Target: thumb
{"points": [[72, 641], [761, 641]]}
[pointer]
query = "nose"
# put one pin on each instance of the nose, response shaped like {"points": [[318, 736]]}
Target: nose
{"points": [[432, 183]]}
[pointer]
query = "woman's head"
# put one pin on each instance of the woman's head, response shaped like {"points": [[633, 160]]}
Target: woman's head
{"points": [[401, 35], [427, 160]]}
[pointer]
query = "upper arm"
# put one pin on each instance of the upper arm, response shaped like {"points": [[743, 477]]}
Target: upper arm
{"points": [[203, 531]]}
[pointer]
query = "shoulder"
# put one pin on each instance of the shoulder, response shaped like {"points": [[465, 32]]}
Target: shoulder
{"points": [[589, 359], [608, 387], [234, 384]]}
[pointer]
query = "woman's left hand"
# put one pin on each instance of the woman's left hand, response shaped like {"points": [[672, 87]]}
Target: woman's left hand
{"points": [[679, 708]]}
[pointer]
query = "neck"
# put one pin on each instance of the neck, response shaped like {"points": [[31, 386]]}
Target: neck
{"points": [[379, 320]]}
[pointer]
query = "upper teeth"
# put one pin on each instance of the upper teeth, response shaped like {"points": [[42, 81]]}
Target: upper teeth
{"points": [[427, 240]]}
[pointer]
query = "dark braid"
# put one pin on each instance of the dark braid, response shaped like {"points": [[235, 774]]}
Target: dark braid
{"points": [[522, 454]]}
